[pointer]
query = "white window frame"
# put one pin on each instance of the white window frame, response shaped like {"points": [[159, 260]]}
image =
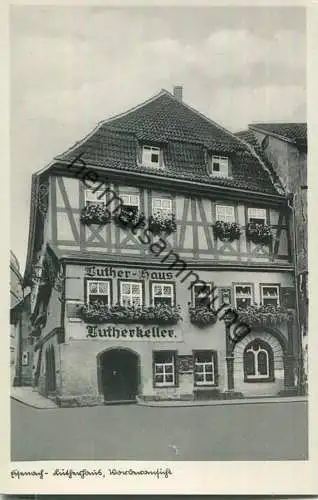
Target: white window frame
{"points": [[209, 285], [243, 295], [273, 297], [164, 373], [257, 375], [228, 213], [162, 285], [256, 213], [204, 371], [95, 194], [161, 209], [98, 282], [224, 166], [130, 294], [128, 199], [147, 152]]}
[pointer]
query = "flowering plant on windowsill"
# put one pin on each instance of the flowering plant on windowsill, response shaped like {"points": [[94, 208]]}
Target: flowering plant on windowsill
{"points": [[162, 314], [259, 233], [264, 315], [127, 218], [202, 316], [226, 231], [95, 213], [161, 223]]}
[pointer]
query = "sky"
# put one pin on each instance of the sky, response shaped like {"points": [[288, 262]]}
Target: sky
{"points": [[72, 67]]}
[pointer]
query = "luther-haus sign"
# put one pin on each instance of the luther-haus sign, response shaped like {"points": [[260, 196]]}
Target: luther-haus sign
{"points": [[155, 333]]}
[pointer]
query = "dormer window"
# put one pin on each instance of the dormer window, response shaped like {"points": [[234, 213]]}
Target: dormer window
{"points": [[219, 166], [151, 156]]}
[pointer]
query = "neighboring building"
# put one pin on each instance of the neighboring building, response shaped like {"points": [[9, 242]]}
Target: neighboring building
{"points": [[20, 347], [107, 291], [284, 145]]}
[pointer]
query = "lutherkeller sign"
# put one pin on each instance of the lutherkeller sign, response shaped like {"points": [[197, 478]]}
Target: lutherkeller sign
{"points": [[140, 274], [135, 333]]}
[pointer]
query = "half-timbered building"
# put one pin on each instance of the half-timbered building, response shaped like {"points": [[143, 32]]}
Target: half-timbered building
{"points": [[126, 229]]}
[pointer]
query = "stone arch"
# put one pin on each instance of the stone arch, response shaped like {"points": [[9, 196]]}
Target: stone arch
{"points": [[277, 349]]}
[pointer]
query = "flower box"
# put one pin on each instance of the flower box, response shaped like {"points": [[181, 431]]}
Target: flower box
{"points": [[202, 316], [159, 223], [160, 314], [226, 231], [95, 213], [263, 315], [259, 233], [128, 218]]}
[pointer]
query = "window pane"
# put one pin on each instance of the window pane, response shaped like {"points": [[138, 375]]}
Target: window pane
{"points": [[270, 302], [156, 203], [135, 288], [162, 300], [243, 303], [199, 368], [159, 368], [166, 204], [103, 287], [204, 357], [157, 290], [198, 377], [167, 290], [163, 357], [98, 299], [209, 377], [159, 379], [262, 363], [169, 378], [169, 369], [125, 288], [92, 287], [154, 158], [249, 363]]}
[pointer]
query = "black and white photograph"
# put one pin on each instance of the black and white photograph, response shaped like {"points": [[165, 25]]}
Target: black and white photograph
{"points": [[158, 218]]}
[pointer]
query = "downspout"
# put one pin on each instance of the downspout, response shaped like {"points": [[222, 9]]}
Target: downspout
{"points": [[291, 205]]}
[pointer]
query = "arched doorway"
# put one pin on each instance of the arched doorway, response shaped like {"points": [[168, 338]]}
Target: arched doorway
{"points": [[119, 375]]}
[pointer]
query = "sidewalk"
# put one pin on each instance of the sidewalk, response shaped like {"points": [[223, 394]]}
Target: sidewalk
{"points": [[222, 402], [31, 397]]}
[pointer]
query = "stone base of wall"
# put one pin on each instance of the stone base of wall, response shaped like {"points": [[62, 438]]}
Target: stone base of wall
{"points": [[206, 394], [76, 401], [231, 395], [288, 391], [165, 397]]}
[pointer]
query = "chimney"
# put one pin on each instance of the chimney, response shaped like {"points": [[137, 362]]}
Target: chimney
{"points": [[177, 92]]}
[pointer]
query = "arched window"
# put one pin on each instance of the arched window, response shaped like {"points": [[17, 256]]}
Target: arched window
{"points": [[258, 360]]}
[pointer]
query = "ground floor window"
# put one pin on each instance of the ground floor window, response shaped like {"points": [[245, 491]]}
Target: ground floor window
{"points": [[205, 366], [164, 368], [258, 362]]}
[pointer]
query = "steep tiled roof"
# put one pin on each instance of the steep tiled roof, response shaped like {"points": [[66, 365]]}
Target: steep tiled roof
{"points": [[295, 132], [249, 137], [185, 137]]}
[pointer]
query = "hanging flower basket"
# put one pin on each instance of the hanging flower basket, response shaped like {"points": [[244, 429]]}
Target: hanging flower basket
{"points": [[162, 314], [226, 231], [259, 233], [159, 223], [126, 218], [263, 315], [95, 213], [202, 316]]}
